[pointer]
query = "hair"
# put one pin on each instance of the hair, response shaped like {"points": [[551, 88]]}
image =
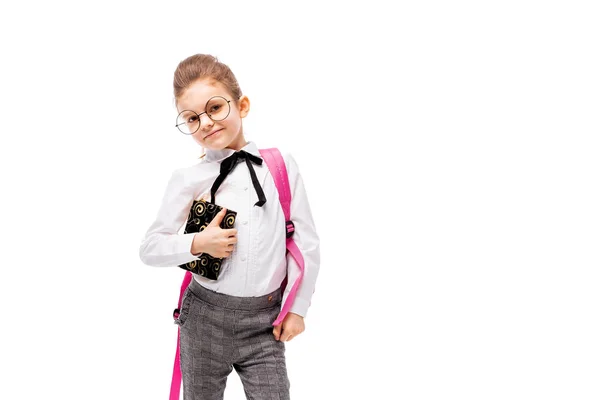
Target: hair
{"points": [[200, 67]]}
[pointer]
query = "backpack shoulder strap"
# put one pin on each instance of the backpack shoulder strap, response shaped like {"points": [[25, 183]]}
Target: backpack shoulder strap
{"points": [[176, 377], [276, 165]]}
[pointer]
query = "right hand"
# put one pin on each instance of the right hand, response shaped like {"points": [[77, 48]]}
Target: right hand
{"points": [[216, 241]]}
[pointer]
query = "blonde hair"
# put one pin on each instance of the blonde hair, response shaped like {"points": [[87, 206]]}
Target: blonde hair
{"points": [[204, 66]]}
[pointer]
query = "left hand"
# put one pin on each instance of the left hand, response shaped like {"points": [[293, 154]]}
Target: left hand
{"points": [[292, 326]]}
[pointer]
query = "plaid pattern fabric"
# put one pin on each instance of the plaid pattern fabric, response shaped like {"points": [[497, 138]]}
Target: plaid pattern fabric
{"points": [[219, 333]]}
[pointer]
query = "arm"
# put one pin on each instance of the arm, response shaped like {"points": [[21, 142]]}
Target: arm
{"points": [[162, 245], [307, 239]]}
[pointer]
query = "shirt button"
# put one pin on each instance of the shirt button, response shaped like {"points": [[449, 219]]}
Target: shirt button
{"points": [[245, 222], [243, 258], [246, 188]]}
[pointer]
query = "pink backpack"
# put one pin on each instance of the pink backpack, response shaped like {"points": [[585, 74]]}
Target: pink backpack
{"points": [[276, 166]]}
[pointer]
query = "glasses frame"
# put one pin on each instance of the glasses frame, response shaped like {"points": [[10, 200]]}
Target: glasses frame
{"points": [[199, 115]]}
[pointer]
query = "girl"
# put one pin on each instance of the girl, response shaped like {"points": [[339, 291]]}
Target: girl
{"points": [[227, 323]]}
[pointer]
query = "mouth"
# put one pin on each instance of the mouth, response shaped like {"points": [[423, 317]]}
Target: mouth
{"points": [[212, 133]]}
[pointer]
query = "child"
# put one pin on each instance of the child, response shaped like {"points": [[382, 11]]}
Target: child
{"points": [[228, 322]]}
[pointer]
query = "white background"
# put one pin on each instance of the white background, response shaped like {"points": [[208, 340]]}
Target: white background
{"points": [[449, 150]]}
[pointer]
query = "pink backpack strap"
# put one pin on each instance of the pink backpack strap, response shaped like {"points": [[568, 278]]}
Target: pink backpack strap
{"points": [[276, 165], [176, 379]]}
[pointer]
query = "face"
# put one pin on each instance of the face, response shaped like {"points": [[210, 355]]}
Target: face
{"points": [[215, 135]]}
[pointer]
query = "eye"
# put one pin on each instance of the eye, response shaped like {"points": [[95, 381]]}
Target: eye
{"points": [[215, 108], [192, 119]]}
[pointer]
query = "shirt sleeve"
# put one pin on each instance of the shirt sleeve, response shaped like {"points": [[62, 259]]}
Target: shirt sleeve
{"points": [[307, 239], [162, 245]]}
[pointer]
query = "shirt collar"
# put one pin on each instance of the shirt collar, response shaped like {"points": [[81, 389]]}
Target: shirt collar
{"points": [[220, 155]]}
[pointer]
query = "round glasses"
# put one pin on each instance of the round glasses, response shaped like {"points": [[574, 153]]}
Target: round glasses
{"points": [[217, 108]]}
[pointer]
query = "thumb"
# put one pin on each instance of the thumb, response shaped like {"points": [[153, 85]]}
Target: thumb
{"points": [[218, 218], [277, 331]]}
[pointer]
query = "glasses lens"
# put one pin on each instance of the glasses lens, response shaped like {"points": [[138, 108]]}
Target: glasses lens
{"points": [[217, 108], [188, 122]]}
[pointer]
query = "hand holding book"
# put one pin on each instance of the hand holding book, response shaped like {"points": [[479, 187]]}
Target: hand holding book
{"points": [[214, 240]]}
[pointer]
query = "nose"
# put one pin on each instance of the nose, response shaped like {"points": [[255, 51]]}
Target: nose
{"points": [[205, 122]]}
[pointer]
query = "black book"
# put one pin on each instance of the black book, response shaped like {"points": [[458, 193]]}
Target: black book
{"points": [[200, 215]]}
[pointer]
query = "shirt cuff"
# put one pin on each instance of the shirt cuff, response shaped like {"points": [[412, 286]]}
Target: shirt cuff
{"points": [[187, 244], [167, 251], [300, 307], [183, 249]]}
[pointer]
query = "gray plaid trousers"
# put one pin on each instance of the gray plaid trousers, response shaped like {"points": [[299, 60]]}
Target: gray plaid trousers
{"points": [[219, 332]]}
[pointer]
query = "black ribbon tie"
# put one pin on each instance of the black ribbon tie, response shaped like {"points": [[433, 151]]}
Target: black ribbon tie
{"points": [[228, 164]]}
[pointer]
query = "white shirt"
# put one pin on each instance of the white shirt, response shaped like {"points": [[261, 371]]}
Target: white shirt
{"points": [[258, 263]]}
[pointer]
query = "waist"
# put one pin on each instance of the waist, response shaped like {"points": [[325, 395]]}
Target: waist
{"points": [[234, 302]]}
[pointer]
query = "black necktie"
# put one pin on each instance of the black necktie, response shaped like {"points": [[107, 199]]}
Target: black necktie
{"points": [[228, 164]]}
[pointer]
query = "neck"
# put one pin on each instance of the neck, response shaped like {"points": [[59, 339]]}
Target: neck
{"points": [[237, 145]]}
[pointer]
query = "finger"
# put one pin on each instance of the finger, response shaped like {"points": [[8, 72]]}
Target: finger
{"points": [[277, 331], [232, 240], [216, 221], [228, 244], [286, 336], [230, 232]]}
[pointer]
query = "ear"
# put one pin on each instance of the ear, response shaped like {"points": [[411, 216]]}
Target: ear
{"points": [[244, 106]]}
